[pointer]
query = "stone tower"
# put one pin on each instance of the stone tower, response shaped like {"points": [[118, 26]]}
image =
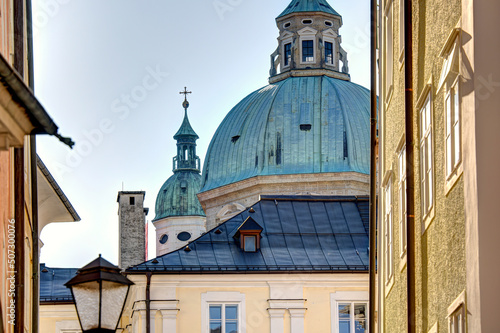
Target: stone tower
{"points": [[132, 233], [179, 216]]}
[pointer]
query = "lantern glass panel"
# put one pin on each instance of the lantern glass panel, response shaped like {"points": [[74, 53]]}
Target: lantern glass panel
{"points": [[113, 297], [87, 304]]}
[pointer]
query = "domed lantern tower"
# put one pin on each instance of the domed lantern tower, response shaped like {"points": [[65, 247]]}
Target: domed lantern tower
{"points": [[309, 42], [307, 132], [179, 217]]}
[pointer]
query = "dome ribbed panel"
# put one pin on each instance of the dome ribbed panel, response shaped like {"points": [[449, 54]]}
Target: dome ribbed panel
{"points": [[270, 141], [177, 196]]}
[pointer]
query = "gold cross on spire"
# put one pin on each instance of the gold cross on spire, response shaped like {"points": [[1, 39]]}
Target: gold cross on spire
{"points": [[185, 92], [186, 103]]}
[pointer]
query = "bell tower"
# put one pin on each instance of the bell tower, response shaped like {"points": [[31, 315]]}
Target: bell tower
{"points": [[186, 137]]}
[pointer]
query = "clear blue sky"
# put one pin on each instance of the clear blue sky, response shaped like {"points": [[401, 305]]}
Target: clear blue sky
{"points": [[109, 73]]}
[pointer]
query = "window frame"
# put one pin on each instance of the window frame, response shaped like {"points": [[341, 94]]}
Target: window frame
{"points": [[457, 311], [402, 199], [302, 55], [285, 58], [388, 50], [388, 231], [332, 63], [308, 34], [225, 298], [402, 31], [426, 158], [453, 165], [223, 320], [342, 297]]}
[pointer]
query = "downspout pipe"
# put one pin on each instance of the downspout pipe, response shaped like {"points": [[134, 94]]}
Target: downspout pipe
{"points": [[148, 302], [410, 174], [35, 254], [373, 167]]}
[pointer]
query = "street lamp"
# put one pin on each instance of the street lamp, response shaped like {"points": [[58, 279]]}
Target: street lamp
{"points": [[99, 291]]}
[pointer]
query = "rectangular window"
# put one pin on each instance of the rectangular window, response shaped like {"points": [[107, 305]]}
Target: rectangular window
{"points": [[389, 56], [457, 321], [388, 255], [329, 53], [132, 201], [453, 139], [223, 318], [288, 54], [307, 51], [352, 317], [402, 200], [426, 156], [250, 243]]}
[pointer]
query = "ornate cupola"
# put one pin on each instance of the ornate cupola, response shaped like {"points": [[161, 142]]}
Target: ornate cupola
{"points": [[179, 215], [186, 143], [309, 42]]}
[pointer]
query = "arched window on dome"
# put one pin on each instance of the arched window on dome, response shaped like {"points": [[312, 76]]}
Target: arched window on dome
{"points": [[185, 154]]}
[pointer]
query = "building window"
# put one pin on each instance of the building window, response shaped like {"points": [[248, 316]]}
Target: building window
{"points": [[132, 201], [349, 311], [402, 199], [389, 46], [426, 159], [223, 312], [329, 53], [352, 317], [457, 321], [453, 139], [288, 54], [223, 318], [388, 246], [250, 243], [307, 51]]}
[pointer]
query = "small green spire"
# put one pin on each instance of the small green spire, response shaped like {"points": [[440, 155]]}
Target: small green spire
{"points": [[186, 129], [186, 137]]}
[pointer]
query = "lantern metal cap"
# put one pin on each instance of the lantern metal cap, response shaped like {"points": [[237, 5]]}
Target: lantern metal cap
{"points": [[99, 269]]}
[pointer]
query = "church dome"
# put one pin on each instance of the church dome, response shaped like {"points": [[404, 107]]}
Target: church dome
{"points": [[299, 125], [177, 196]]}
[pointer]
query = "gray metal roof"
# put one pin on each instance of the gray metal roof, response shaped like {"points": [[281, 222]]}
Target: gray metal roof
{"points": [[52, 288], [300, 234]]}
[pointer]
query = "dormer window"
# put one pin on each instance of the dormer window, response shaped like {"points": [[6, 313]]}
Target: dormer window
{"points": [[307, 51], [249, 235]]}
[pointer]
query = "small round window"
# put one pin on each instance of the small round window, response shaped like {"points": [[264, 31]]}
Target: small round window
{"points": [[287, 25], [307, 21], [163, 239], [184, 236], [328, 23]]}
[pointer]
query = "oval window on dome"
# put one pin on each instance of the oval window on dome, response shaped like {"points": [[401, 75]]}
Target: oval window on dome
{"points": [[163, 239], [307, 21], [184, 236], [287, 25], [328, 23]]}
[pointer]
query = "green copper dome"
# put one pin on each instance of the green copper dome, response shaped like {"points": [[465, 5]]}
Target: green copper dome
{"points": [[298, 6], [311, 124], [177, 196]]}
